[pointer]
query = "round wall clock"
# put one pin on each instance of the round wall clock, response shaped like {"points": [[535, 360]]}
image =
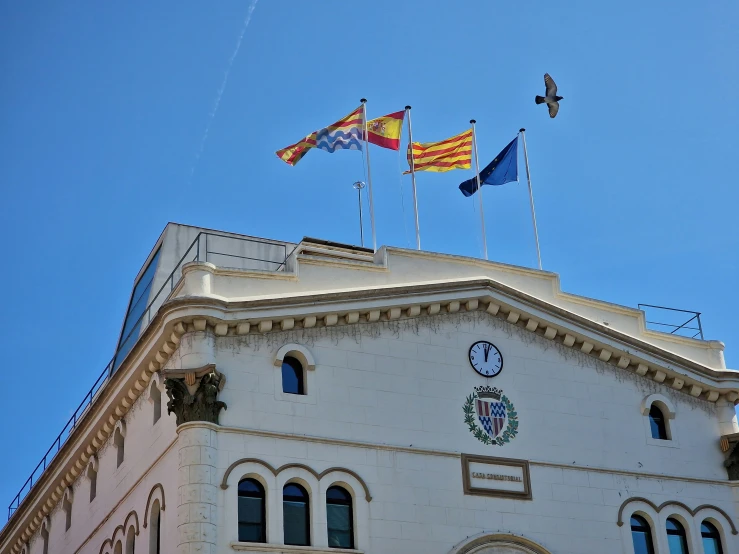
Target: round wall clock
{"points": [[486, 359]]}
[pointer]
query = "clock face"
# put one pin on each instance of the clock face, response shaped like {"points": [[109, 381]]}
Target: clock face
{"points": [[486, 359]]}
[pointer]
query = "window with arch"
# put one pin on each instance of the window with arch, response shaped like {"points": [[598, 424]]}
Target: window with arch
{"points": [[156, 399], [118, 548], [93, 476], [293, 376], [658, 423], [252, 520], [131, 541], [45, 539], [67, 507], [339, 518], [711, 538], [641, 534], [296, 515], [677, 539], [155, 528], [120, 446]]}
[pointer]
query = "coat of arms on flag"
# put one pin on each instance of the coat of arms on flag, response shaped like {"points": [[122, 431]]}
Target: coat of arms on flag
{"points": [[498, 420]]}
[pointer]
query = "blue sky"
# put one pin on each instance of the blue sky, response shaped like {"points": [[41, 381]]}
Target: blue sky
{"points": [[104, 105]]}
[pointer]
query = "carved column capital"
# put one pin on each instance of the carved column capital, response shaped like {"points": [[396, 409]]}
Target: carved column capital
{"points": [[193, 394]]}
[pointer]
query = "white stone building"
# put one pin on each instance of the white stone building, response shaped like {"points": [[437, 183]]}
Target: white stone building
{"points": [[399, 402]]}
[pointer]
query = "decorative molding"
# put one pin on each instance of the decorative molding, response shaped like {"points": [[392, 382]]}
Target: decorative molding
{"points": [[658, 509], [148, 502], [195, 398], [136, 519], [275, 472], [286, 549], [480, 543], [297, 351], [646, 404], [467, 487]]}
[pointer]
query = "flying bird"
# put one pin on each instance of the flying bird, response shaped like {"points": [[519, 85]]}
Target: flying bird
{"points": [[551, 99]]}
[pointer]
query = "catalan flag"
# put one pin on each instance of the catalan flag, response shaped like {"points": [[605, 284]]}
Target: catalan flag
{"points": [[385, 131], [293, 154], [445, 155], [345, 134]]}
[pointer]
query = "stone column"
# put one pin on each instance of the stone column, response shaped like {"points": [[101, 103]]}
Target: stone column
{"points": [[197, 493], [727, 418]]}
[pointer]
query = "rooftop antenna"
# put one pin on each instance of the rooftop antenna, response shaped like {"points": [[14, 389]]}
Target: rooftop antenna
{"points": [[359, 185]]}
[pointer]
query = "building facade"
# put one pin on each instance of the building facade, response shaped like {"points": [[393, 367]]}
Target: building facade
{"points": [[312, 397]]}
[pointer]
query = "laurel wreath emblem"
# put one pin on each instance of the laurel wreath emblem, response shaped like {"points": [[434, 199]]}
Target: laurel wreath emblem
{"points": [[510, 432]]}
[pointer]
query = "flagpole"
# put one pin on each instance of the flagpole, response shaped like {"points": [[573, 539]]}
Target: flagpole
{"points": [[479, 188], [531, 195], [369, 176], [413, 176]]}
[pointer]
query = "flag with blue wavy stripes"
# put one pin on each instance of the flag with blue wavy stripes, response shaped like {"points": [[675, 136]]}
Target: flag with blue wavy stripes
{"points": [[345, 134]]}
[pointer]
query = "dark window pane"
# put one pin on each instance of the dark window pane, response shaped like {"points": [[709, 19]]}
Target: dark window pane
{"points": [[641, 535], [336, 495], [339, 518], [676, 537], [296, 516], [292, 376], [136, 308], [657, 423], [677, 544], [340, 533], [252, 524], [711, 539]]}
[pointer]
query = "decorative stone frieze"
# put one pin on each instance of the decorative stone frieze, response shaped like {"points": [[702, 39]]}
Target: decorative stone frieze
{"points": [[193, 394]]}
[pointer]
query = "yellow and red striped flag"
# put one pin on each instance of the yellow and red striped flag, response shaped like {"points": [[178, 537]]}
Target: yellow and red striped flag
{"points": [[445, 155], [293, 154]]}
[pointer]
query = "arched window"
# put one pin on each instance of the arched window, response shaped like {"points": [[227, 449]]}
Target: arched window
{"points": [[118, 548], [156, 399], [252, 520], [641, 534], [657, 423], [293, 376], [155, 529], [93, 475], [120, 445], [296, 515], [676, 537], [131, 541], [339, 518], [711, 538]]}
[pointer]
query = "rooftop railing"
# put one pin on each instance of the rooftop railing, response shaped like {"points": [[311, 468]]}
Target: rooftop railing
{"points": [[673, 321], [209, 247]]}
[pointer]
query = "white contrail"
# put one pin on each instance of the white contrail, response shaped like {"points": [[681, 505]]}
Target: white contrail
{"points": [[222, 88]]}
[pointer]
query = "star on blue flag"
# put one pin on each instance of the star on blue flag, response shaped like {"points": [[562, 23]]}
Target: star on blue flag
{"points": [[503, 169]]}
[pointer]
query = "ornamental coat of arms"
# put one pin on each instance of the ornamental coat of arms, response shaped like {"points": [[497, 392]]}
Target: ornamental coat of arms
{"points": [[491, 409]]}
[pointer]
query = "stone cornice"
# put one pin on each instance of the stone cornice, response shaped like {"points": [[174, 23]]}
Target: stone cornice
{"points": [[385, 298]]}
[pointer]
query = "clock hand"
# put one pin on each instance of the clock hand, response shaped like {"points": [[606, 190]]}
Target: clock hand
{"points": [[487, 351]]}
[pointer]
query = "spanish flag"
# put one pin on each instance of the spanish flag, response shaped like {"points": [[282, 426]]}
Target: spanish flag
{"points": [[445, 155], [385, 131]]}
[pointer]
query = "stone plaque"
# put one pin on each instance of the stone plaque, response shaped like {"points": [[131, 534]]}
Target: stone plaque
{"points": [[488, 476]]}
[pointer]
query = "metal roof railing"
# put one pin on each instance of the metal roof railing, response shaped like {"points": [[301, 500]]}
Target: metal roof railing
{"points": [[680, 329], [197, 251]]}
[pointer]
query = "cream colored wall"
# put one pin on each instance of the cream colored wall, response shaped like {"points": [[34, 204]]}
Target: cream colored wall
{"points": [[149, 457], [399, 388]]}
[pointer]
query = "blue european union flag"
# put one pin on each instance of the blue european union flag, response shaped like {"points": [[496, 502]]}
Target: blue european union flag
{"points": [[503, 169]]}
